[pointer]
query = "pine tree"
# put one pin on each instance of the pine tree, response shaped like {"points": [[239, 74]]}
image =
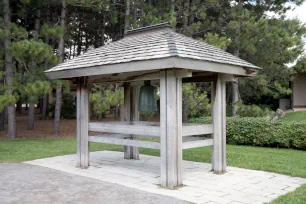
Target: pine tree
{"points": [[9, 70]]}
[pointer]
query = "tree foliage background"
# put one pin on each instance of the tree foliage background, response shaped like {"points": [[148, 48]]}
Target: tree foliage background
{"points": [[42, 33]]}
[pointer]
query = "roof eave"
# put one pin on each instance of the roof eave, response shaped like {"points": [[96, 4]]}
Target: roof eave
{"points": [[152, 64]]}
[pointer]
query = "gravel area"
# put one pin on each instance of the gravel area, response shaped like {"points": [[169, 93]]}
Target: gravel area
{"points": [[28, 184]]}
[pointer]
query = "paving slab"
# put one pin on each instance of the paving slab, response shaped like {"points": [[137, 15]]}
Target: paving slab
{"points": [[201, 185], [29, 184]]}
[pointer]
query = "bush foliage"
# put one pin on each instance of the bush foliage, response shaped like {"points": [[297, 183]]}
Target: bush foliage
{"points": [[252, 111], [262, 132]]}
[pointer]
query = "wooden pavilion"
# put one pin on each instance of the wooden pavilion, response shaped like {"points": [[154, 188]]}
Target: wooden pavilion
{"points": [[168, 59]]}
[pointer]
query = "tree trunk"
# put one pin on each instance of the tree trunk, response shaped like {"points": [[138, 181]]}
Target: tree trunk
{"points": [[2, 121], [58, 107], [235, 92], [39, 105], [9, 70], [31, 114], [127, 16], [45, 107], [172, 6], [235, 84], [44, 113], [1, 83], [192, 15], [31, 111], [235, 97], [5, 112], [142, 14], [135, 12], [100, 115], [103, 32], [117, 111], [19, 106], [185, 112], [186, 17], [61, 54], [80, 39], [36, 25]]}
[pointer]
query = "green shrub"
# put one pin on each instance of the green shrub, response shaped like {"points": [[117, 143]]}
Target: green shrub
{"points": [[252, 111], [262, 132]]}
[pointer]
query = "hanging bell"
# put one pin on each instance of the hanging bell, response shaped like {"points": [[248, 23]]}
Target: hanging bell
{"points": [[147, 98]]}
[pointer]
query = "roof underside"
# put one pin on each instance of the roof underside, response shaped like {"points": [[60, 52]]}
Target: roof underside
{"points": [[148, 44]]}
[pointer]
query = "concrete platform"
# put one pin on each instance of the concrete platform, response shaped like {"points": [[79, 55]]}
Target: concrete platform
{"points": [[200, 184]]}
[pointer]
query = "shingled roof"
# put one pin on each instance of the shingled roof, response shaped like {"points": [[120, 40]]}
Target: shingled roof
{"points": [[148, 43]]}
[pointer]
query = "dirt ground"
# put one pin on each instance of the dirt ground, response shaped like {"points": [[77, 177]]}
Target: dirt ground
{"points": [[43, 128]]}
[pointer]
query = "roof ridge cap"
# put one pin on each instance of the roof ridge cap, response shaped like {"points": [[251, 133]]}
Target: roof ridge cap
{"points": [[171, 40], [147, 28]]}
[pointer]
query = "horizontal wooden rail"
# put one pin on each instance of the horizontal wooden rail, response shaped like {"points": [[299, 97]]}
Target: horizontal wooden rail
{"points": [[125, 129], [147, 129], [197, 143], [134, 143], [141, 123], [197, 129], [115, 135]]}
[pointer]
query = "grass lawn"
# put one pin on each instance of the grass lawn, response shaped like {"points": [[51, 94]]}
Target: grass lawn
{"points": [[299, 116], [284, 161]]}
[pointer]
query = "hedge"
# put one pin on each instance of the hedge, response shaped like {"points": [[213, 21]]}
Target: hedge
{"points": [[262, 132]]}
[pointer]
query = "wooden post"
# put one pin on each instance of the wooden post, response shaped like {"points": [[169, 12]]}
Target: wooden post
{"points": [[131, 113], [135, 100], [219, 122], [135, 117], [82, 123], [170, 129], [127, 116], [213, 94]]}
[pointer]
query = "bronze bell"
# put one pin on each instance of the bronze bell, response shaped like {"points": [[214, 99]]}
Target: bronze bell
{"points": [[147, 98]]}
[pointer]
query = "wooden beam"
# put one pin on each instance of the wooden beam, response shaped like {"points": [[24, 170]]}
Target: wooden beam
{"points": [[126, 77], [125, 129], [138, 78], [198, 79], [197, 143], [82, 123], [183, 73], [145, 76], [134, 143], [227, 78], [213, 67], [197, 129], [152, 65], [141, 83]]}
